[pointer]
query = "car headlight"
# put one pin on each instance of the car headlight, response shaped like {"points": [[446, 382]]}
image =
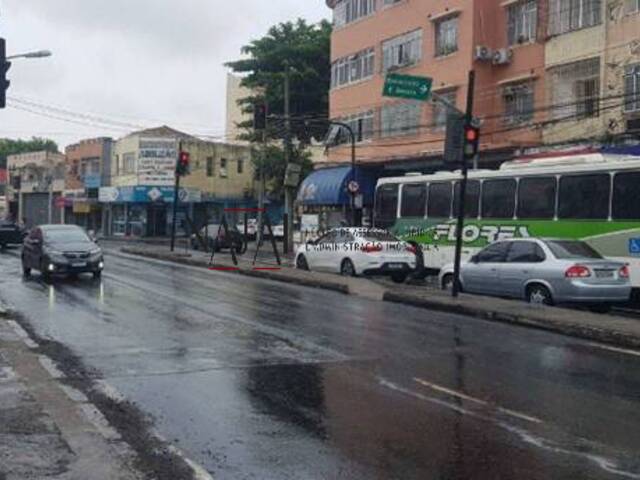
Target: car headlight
{"points": [[95, 251]]}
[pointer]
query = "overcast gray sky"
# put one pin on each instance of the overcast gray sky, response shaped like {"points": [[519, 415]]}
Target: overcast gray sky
{"points": [[132, 61]]}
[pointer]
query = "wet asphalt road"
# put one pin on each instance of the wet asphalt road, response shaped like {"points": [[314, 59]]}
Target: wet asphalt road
{"points": [[261, 380]]}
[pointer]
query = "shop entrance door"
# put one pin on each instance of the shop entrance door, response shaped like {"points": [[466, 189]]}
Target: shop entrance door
{"points": [[157, 220]]}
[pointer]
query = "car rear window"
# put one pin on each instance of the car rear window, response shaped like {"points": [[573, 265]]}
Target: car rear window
{"points": [[571, 249]]}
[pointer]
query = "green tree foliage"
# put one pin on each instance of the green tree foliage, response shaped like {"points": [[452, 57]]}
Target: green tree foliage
{"points": [[305, 50], [11, 147]]}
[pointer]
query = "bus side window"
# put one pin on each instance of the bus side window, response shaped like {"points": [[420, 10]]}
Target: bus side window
{"points": [[439, 205], [499, 198], [537, 198], [414, 200], [626, 192], [584, 197], [386, 207], [472, 201]]}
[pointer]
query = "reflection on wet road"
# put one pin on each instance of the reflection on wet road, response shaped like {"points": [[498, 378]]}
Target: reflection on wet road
{"points": [[254, 379]]}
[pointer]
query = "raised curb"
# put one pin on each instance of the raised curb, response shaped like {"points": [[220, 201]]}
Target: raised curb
{"points": [[535, 317], [279, 276]]}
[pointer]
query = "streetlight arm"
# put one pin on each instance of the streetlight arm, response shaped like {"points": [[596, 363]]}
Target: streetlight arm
{"points": [[36, 54]]}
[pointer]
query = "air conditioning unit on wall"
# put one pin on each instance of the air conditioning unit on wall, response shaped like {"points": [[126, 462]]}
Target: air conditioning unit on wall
{"points": [[483, 53], [502, 56]]}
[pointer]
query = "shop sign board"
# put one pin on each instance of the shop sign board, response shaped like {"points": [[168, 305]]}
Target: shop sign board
{"points": [[157, 159]]}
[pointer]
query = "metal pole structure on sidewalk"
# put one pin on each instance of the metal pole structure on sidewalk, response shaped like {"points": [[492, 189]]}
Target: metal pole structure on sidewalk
{"points": [[176, 198], [463, 191], [288, 197]]}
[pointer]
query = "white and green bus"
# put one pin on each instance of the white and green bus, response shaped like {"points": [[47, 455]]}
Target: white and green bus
{"points": [[592, 197]]}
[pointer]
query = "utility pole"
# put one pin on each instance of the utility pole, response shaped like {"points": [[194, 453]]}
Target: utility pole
{"points": [[50, 202], [463, 190], [288, 197]]}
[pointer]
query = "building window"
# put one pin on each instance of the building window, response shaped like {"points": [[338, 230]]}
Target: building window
{"points": [[361, 124], [387, 3], [440, 111], [400, 119], [223, 167], [240, 169], [210, 166], [523, 22], [353, 68], [446, 36], [568, 15], [632, 88], [347, 11], [129, 163], [574, 89], [631, 6], [518, 103], [402, 51]]}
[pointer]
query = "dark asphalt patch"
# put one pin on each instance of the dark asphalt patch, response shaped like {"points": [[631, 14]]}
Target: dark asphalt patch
{"points": [[153, 456]]}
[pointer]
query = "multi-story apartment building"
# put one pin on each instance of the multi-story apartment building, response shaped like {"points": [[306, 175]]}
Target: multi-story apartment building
{"points": [[36, 184], [88, 169], [502, 41], [621, 82], [549, 73]]}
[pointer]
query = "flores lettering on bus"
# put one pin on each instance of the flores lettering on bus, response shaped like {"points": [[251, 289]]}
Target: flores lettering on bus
{"points": [[473, 233]]}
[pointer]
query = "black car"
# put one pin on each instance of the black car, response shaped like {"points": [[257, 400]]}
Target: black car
{"points": [[61, 250], [10, 234]]}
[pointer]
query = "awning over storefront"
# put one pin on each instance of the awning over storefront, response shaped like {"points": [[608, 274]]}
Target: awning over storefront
{"points": [[328, 186]]}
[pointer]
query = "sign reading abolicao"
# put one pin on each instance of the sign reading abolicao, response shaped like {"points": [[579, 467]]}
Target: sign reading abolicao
{"points": [[407, 86]]}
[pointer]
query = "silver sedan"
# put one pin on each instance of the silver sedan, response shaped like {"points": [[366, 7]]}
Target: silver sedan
{"points": [[545, 272]]}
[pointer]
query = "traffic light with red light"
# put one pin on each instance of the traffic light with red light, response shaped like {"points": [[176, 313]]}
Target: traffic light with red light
{"points": [[260, 116], [183, 167], [4, 68], [471, 141]]}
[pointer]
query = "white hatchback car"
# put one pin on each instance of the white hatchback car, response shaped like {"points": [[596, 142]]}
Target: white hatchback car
{"points": [[358, 251]]}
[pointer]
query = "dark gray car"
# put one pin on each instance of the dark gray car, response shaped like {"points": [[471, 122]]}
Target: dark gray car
{"points": [[61, 250], [546, 272]]}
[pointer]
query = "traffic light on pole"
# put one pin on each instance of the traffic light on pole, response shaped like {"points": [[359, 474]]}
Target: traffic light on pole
{"points": [[260, 116], [184, 160], [4, 68], [471, 141]]}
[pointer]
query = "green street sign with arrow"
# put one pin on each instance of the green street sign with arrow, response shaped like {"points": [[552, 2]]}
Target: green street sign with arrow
{"points": [[408, 86]]}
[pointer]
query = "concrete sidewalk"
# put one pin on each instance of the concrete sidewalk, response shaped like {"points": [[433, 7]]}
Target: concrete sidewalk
{"points": [[619, 331], [49, 430]]}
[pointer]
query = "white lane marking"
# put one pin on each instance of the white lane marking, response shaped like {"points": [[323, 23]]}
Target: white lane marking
{"points": [[22, 333], [605, 463], [454, 393], [74, 394], [50, 367], [635, 353], [99, 421], [199, 473]]}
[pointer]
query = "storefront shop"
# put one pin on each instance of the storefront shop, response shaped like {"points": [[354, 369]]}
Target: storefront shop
{"points": [[146, 211]]}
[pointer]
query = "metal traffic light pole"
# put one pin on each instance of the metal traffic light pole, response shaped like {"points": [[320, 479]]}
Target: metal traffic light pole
{"points": [[176, 198], [463, 191]]}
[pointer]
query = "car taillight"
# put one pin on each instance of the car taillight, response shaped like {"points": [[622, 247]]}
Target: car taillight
{"points": [[372, 248], [624, 272], [411, 249], [578, 271]]}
